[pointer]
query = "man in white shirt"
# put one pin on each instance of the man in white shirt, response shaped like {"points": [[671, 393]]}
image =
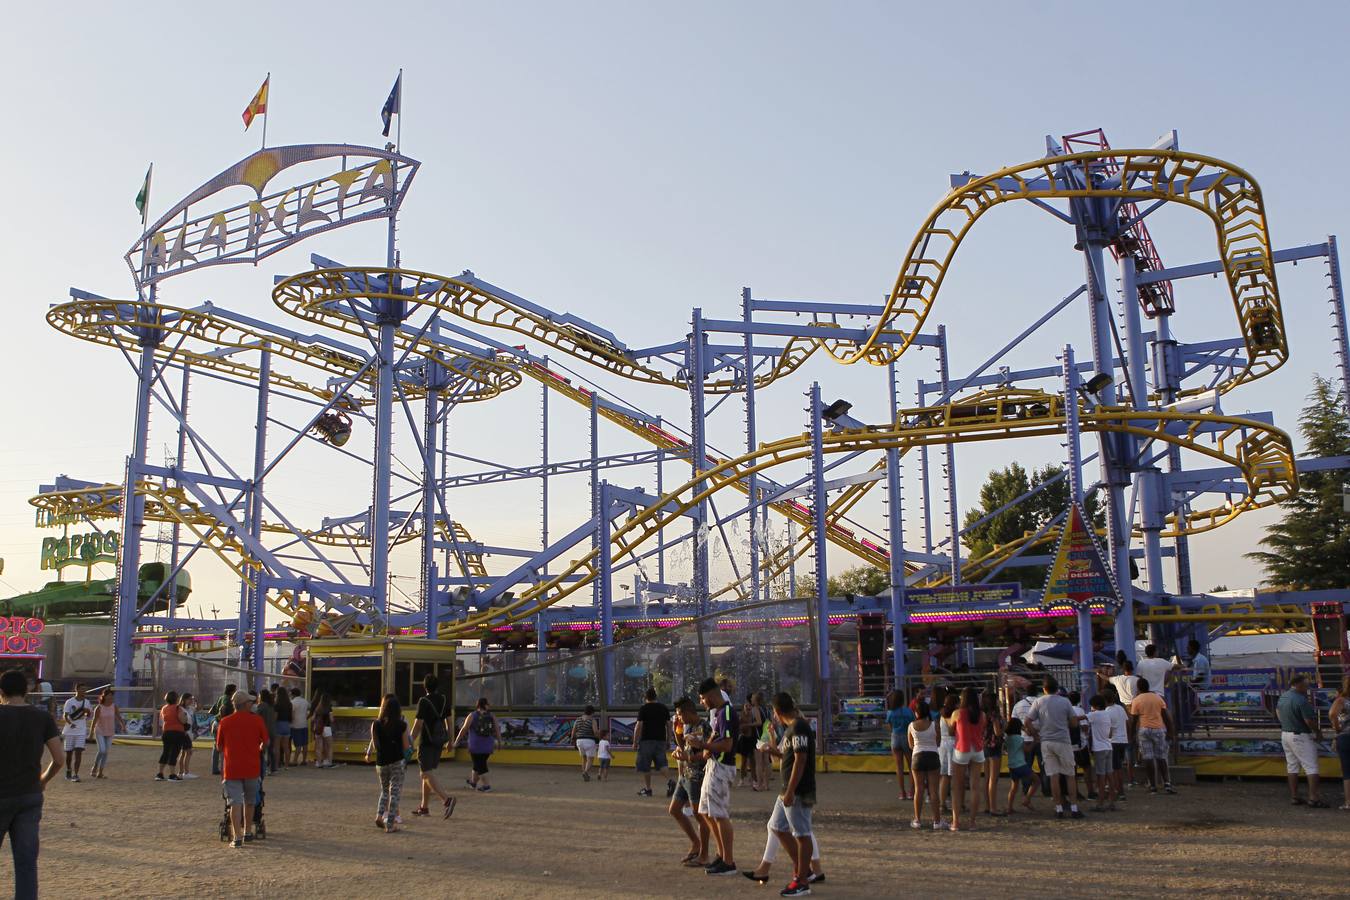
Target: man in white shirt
{"points": [[1154, 670], [1199, 664], [75, 714], [1126, 683], [299, 728]]}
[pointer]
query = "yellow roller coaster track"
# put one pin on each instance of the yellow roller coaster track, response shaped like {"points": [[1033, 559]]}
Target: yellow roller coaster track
{"points": [[1262, 454], [1226, 194], [189, 336], [317, 296]]}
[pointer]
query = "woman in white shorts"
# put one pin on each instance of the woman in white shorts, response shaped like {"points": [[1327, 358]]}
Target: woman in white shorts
{"points": [[946, 747], [586, 733], [968, 755]]}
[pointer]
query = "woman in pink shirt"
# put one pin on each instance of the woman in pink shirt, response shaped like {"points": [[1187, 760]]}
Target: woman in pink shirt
{"points": [[968, 722], [107, 719]]}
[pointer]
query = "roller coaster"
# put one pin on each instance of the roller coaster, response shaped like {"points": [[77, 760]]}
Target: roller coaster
{"points": [[374, 339]]}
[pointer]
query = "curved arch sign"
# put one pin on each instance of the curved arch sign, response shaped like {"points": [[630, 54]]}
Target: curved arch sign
{"points": [[365, 184]]}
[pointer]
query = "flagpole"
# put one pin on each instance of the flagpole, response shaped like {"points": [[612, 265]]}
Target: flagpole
{"points": [[267, 105]]}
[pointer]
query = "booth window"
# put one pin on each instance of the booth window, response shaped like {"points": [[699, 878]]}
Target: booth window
{"points": [[348, 687], [403, 683]]}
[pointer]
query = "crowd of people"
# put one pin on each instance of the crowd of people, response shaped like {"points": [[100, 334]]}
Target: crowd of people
{"points": [[949, 749]]}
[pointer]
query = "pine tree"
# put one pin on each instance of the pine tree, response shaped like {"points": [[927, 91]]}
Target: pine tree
{"points": [[1309, 548]]}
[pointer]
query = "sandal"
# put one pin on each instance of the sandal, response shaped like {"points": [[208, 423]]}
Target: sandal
{"points": [[1317, 804], [1296, 801], [421, 811], [689, 857], [392, 829]]}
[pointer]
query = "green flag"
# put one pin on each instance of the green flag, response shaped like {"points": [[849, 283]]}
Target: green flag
{"points": [[143, 195]]}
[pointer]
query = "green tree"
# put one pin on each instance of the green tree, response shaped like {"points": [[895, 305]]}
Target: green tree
{"points": [[1310, 547], [1005, 485], [861, 581]]}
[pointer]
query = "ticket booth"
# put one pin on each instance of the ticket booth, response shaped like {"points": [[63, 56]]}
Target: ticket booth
{"points": [[356, 673]]}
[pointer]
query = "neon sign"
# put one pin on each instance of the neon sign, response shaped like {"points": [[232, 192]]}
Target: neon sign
{"points": [[369, 184], [19, 636], [79, 550]]}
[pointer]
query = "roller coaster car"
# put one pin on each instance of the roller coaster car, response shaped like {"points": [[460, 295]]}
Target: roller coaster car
{"points": [[967, 413], [585, 338], [335, 427], [1261, 327]]}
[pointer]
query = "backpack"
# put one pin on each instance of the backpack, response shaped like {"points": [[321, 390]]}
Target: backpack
{"points": [[437, 732], [483, 726]]}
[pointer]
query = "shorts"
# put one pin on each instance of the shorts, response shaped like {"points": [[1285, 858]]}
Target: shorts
{"points": [[1300, 753], [653, 753], [745, 746], [688, 790], [428, 756], [283, 729], [795, 818], [1119, 753], [1153, 743], [1022, 775], [968, 757], [945, 751], [1343, 751], [299, 737], [604, 763], [715, 799], [241, 792], [1102, 763], [480, 766], [586, 747], [994, 750], [75, 740], [899, 743], [1057, 759], [1083, 757], [926, 761]]}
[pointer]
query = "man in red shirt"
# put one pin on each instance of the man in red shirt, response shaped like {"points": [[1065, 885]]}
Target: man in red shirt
{"points": [[241, 739]]}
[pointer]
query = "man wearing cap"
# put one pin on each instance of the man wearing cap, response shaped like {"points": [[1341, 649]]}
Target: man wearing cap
{"points": [[241, 739]]}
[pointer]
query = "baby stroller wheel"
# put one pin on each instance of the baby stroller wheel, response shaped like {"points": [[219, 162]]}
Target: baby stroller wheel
{"points": [[261, 830], [225, 827]]}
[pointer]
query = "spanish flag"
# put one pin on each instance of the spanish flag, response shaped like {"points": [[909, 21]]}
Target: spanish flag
{"points": [[258, 105]]}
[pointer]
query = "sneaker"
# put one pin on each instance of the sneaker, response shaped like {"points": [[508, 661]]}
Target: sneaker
{"points": [[249, 837], [75, 778], [485, 789], [915, 824], [815, 878], [174, 778], [1076, 814], [941, 825], [585, 776], [644, 792], [67, 776], [1153, 790], [158, 777], [236, 843], [795, 888], [1167, 788], [717, 861], [721, 868], [1059, 814]]}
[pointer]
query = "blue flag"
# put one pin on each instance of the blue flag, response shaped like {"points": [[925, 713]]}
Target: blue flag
{"points": [[391, 106]]}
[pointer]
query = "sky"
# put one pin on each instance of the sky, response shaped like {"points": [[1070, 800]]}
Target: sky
{"points": [[627, 163]]}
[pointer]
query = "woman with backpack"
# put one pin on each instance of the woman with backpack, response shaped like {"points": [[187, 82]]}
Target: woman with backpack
{"points": [[429, 735], [483, 733]]}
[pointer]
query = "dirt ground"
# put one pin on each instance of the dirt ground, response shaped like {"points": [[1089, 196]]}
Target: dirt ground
{"points": [[543, 831]]}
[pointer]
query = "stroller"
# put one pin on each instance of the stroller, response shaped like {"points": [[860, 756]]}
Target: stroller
{"points": [[259, 825]]}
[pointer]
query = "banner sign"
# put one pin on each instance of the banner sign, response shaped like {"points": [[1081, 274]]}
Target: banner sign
{"points": [[79, 550], [1079, 576], [19, 636], [1010, 592], [367, 184]]}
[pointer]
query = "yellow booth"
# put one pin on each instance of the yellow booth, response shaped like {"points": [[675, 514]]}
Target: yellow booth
{"points": [[356, 673]]}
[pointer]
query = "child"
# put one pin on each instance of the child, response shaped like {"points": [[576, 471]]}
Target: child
{"points": [[604, 755], [1019, 770], [691, 761], [1120, 741], [1099, 724]]}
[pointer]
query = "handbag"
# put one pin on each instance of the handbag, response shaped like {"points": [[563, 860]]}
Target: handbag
{"points": [[327, 731]]}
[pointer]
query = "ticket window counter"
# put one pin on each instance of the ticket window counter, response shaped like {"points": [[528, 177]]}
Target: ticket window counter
{"points": [[356, 674]]}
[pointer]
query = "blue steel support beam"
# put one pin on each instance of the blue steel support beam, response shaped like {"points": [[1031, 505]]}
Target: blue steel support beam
{"points": [[819, 504], [1338, 319], [1147, 483], [699, 456], [953, 523], [257, 590], [604, 591], [435, 376], [751, 442], [1087, 676], [133, 523], [895, 530]]}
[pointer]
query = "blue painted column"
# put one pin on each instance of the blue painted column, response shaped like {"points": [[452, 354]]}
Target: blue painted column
{"points": [[604, 580], [953, 519], [1149, 481], [895, 534], [751, 441], [699, 450], [1087, 674], [819, 502], [133, 523], [435, 382], [257, 592]]}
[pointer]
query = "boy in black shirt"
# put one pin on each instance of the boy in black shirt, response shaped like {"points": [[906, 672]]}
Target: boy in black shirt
{"points": [[791, 818], [715, 800]]}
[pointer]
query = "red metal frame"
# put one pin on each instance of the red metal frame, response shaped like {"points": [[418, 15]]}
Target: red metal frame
{"points": [[1156, 298]]}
